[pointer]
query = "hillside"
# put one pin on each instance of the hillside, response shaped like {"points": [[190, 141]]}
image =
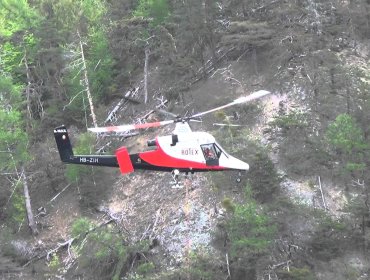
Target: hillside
{"points": [[300, 212]]}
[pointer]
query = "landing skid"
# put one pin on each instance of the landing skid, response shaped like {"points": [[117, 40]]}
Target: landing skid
{"points": [[176, 183]]}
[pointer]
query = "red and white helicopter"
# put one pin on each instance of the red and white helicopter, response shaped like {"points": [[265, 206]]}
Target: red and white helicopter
{"points": [[183, 151]]}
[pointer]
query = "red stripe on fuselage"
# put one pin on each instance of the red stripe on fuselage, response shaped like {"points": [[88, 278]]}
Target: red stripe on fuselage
{"points": [[159, 158]]}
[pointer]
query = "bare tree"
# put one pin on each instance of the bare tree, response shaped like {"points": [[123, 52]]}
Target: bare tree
{"points": [[146, 72], [31, 220], [86, 82]]}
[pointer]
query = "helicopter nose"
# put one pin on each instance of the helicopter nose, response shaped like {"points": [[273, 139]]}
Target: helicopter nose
{"points": [[237, 164], [243, 165]]}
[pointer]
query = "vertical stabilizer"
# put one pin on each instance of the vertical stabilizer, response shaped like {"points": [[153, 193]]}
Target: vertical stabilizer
{"points": [[63, 143]]}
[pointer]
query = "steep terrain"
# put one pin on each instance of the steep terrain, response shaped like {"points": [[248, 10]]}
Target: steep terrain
{"points": [[301, 212]]}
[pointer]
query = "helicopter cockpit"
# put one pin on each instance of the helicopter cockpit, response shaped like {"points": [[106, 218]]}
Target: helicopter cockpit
{"points": [[212, 153]]}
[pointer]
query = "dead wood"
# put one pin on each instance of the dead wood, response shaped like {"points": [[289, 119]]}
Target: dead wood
{"points": [[146, 73], [162, 104], [31, 220], [66, 187], [228, 266], [86, 81], [68, 243], [265, 6], [322, 194], [210, 67], [129, 96]]}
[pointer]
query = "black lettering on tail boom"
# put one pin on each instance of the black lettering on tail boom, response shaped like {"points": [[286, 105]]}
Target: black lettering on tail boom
{"points": [[67, 156]]}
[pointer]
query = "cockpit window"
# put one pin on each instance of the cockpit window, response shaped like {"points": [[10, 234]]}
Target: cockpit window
{"points": [[221, 149], [211, 151], [218, 151]]}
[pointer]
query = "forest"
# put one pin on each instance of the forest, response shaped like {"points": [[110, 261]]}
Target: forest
{"points": [[302, 211]]}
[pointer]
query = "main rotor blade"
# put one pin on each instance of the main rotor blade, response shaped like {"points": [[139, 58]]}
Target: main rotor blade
{"points": [[240, 100], [128, 127], [228, 124]]}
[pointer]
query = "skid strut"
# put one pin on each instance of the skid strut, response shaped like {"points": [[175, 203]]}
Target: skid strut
{"points": [[175, 175]]}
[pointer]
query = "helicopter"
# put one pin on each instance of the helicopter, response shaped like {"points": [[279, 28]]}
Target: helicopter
{"points": [[183, 151]]}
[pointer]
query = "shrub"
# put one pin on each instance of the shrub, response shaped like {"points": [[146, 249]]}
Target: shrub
{"points": [[81, 226], [101, 251], [158, 10], [263, 177], [248, 228], [345, 135], [228, 205], [297, 274], [294, 119], [145, 268]]}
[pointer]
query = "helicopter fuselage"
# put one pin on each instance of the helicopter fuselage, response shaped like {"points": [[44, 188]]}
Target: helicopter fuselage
{"points": [[190, 151], [185, 151]]}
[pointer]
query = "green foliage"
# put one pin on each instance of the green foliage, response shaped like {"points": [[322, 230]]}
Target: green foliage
{"points": [[54, 263], [158, 10], [263, 177], [347, 139], [294, 119], [14, 208], [18, 209], [16, 15], [12, 135], [75, 21], [345, 135], [81, 226], [105, 242], [249, 229], [220, 115], [145, 268], [17, 21], [327, 223], [329, 238], [99, 64], [100, 249], [352, 166], [72, 15], [297, 274], [199, 266], [5, 240], [10, 57], [228, 204]]}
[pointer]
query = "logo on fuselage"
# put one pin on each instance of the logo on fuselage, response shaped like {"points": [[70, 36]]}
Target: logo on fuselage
{"points": [[60, 130], [189, 152]]}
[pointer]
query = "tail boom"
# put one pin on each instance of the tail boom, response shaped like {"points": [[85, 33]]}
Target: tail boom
{"points": [[67, 156]]}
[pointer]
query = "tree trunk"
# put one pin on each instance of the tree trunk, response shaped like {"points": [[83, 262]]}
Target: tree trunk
{"points": [[146, 74], [31, 221], [119, 267], [86, 80], [28, 88], [31, 93]]}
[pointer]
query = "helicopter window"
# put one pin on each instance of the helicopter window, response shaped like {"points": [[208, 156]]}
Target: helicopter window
{"points": [[222, 151], [210, 152], [218, 151]]}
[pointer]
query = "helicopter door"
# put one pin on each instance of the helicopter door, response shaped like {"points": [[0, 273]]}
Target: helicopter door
{"points": [[211, 154]]}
